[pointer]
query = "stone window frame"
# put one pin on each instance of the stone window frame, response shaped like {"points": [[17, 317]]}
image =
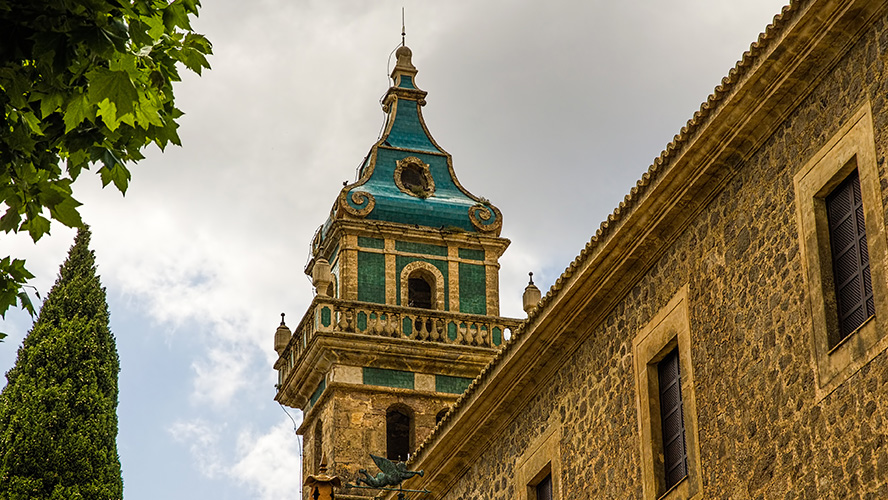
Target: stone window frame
{"points": [[853, 146], [668, 329], [540, 459], [428, 271]]}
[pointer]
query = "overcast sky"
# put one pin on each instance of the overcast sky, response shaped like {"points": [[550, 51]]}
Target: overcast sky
{"points": [[552, 110]]}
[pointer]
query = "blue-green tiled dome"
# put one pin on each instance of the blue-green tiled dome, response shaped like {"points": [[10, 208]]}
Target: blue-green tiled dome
{"points": [[407, 178]]}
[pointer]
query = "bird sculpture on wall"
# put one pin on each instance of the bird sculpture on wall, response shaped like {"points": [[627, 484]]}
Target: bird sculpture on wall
{"points": [[392, 473]]}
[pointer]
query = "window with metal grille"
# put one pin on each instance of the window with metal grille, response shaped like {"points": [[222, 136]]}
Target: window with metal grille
{"points": [[850, 257], [675, 457], [397, 431], [544, 488]]}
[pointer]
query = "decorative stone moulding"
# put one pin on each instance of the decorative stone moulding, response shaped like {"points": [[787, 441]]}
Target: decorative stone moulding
{"points": [[422, 169], [486, 218], [357, 203], [387, 102]]}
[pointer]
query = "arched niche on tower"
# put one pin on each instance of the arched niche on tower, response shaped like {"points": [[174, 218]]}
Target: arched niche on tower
{"points": [[413, 292]]}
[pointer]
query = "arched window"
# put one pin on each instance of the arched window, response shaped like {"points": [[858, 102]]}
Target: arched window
{"points": [[318, 445], [440, 416], [398, 432], [419, 292], [422, 285]]}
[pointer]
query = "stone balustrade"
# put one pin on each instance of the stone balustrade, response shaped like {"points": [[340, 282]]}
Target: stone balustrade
{"points": [[328, 315]]}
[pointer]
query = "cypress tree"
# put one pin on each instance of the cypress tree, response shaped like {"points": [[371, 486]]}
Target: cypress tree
{"points": [[58, 412]]}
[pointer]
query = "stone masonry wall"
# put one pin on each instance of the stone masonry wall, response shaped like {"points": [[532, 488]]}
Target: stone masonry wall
{"points": [[355, 425], [762, 434]]}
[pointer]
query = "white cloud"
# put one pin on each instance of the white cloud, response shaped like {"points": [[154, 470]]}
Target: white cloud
{"points": [[269, 463], [203, 440], [221, 374], [266, 463]]}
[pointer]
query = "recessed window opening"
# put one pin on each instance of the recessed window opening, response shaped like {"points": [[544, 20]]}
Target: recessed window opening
{"points": [[419, 293], [675, 457], [440, 416], [397, 430], [850, 258]]}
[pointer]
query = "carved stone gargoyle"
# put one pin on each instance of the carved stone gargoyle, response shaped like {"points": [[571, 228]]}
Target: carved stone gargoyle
{"points": [[392, 473]]}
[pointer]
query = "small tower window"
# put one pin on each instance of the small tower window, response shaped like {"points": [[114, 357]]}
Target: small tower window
{"points": [[419, 293], [440, 416], [397, 433]]}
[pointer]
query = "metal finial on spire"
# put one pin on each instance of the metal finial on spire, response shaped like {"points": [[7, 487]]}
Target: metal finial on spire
{"points": [[282, 320], [403, 30], [531, 278]]}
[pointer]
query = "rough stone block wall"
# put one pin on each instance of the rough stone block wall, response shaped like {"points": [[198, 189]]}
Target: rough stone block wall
{"points": [[762, 433], [355, 425]]}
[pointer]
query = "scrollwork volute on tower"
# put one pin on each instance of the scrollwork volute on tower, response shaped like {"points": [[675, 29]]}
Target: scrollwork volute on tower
{"points": [[486, 218], [357, 203]]}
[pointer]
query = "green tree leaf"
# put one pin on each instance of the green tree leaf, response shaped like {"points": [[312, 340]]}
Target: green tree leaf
{"points": [[37, 226], [113, 85], [66, 212], [108, 112], [78, 109], [115, 172]]}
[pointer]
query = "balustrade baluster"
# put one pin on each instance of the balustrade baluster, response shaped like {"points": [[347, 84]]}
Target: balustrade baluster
{"points": [[424, 327], [418, 333], [395, 326], [377, 323]]}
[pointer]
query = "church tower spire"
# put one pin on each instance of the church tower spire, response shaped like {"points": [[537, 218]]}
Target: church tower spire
{"points": [[407, 306]]}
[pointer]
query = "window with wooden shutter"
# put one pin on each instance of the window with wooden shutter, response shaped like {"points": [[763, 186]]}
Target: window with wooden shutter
{"points": [[544, 488], [675, 457], [844, 257], [850, 257]]}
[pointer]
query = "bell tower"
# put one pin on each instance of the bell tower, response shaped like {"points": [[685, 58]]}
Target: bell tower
{"points": [[406, 311]]}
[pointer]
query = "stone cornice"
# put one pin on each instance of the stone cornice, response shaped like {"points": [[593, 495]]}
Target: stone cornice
{"points": [[789, 59], [327, 349]]}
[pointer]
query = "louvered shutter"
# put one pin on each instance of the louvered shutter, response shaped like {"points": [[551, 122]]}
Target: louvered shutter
{"points": [[544, 489], [850, 257], [675, 457]]}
